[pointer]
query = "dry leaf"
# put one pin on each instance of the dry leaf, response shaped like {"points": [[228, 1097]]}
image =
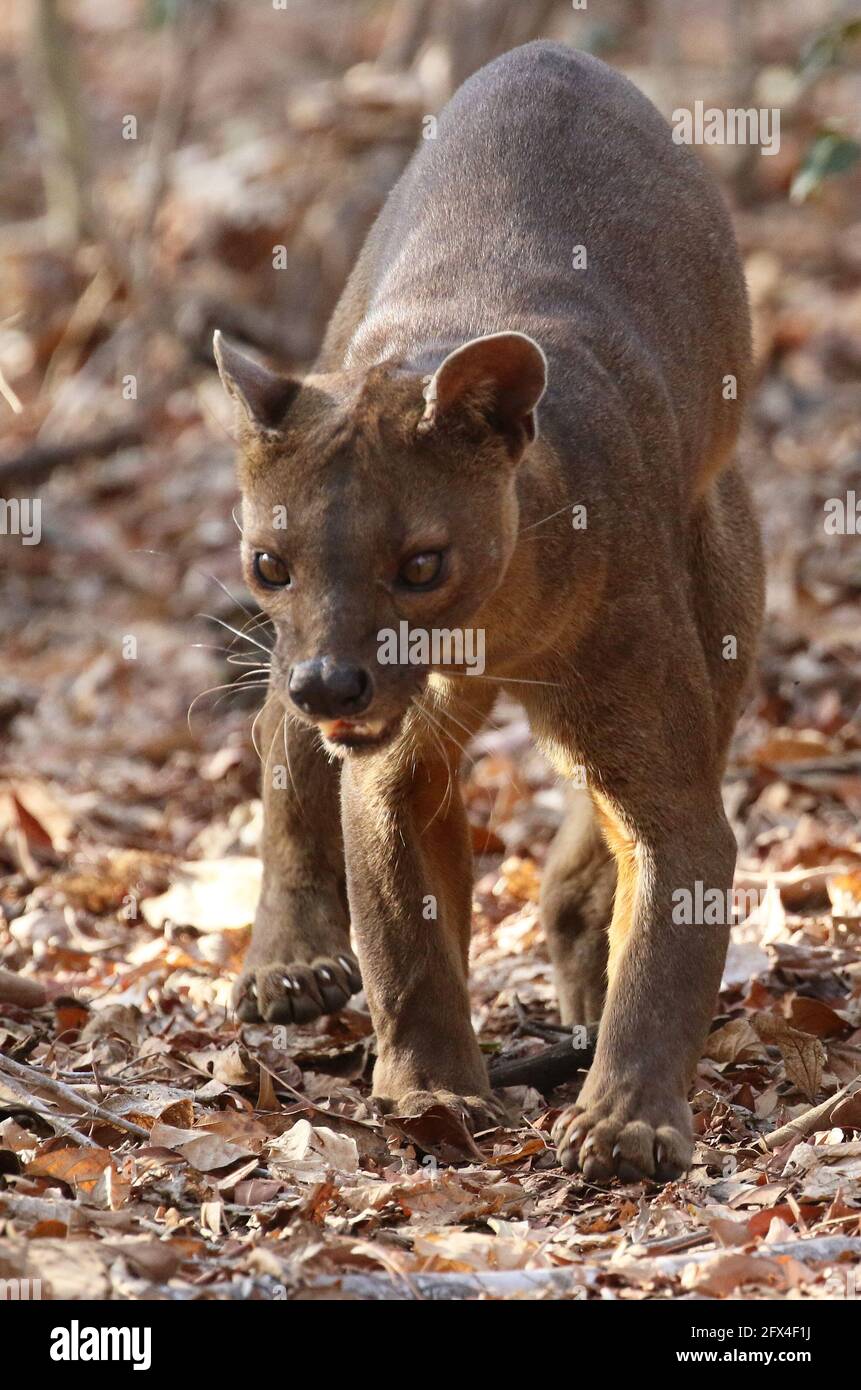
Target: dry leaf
{"points": [[211, 895], [733, 1042], [204, 1151], [438, 1131], [78, 1166], [804, 1056]]}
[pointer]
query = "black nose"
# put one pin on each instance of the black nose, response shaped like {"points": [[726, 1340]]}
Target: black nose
{"points": [[330, 689]]}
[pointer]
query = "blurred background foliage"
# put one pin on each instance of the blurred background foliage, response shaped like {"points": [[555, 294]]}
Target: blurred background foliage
{"points": [[156, 153]]}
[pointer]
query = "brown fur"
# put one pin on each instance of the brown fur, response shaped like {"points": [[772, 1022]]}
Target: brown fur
{"points": [[611, 636]]}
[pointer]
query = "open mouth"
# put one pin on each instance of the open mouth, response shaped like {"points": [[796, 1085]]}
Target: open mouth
{"points": [[356, 733]]}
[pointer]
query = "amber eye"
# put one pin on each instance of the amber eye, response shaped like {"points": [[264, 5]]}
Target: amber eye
{"points": [[421, 571], [269, 571]]}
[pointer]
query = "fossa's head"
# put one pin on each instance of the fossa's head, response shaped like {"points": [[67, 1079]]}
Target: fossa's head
{"points": [[379, 514]]}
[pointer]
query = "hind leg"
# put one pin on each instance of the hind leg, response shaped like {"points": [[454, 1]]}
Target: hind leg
{"points": [[577, 893]]}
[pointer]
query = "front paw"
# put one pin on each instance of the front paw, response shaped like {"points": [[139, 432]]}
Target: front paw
{"points": [[626, 1132], [295, 992]]}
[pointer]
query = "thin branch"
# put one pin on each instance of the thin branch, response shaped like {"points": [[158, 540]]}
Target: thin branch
{"points": [[819, 1117], [49, 1116], [40, 1081], [33, 465], [547, 1069]]}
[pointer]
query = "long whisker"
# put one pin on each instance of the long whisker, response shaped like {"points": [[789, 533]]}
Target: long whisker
{"points": [[211, 647], [256, 620], [290, 769], [246, 676], [254, 731], [282, 724], [195, 569], [546, 518], [252, 685], [232, 598], [483, 714], [241, 635], [229, 685], [444, 710], [492, 798], [249, 658], [447, 733], [445, 799], [516, 680]]}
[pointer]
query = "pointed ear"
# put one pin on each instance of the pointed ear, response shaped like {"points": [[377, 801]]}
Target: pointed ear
{"points": [[264, 396], [499, 378]]}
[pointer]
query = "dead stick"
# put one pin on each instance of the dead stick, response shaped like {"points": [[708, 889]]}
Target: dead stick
{"points": [[63, 1092], [547, 1069], [35, 464], [811, 1120], [55, 1121]]}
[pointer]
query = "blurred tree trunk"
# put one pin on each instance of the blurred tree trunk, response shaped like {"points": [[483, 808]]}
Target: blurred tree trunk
{"points": [[60, 123], [405, 33], [475, 31], [469, 32], [745, 70]]}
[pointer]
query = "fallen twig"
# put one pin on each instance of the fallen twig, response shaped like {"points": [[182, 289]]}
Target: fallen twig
{"points": [[55, 1121], [547, 1069], [35, 464], [39, 1080], [818, 1117], [531, 1028]]}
